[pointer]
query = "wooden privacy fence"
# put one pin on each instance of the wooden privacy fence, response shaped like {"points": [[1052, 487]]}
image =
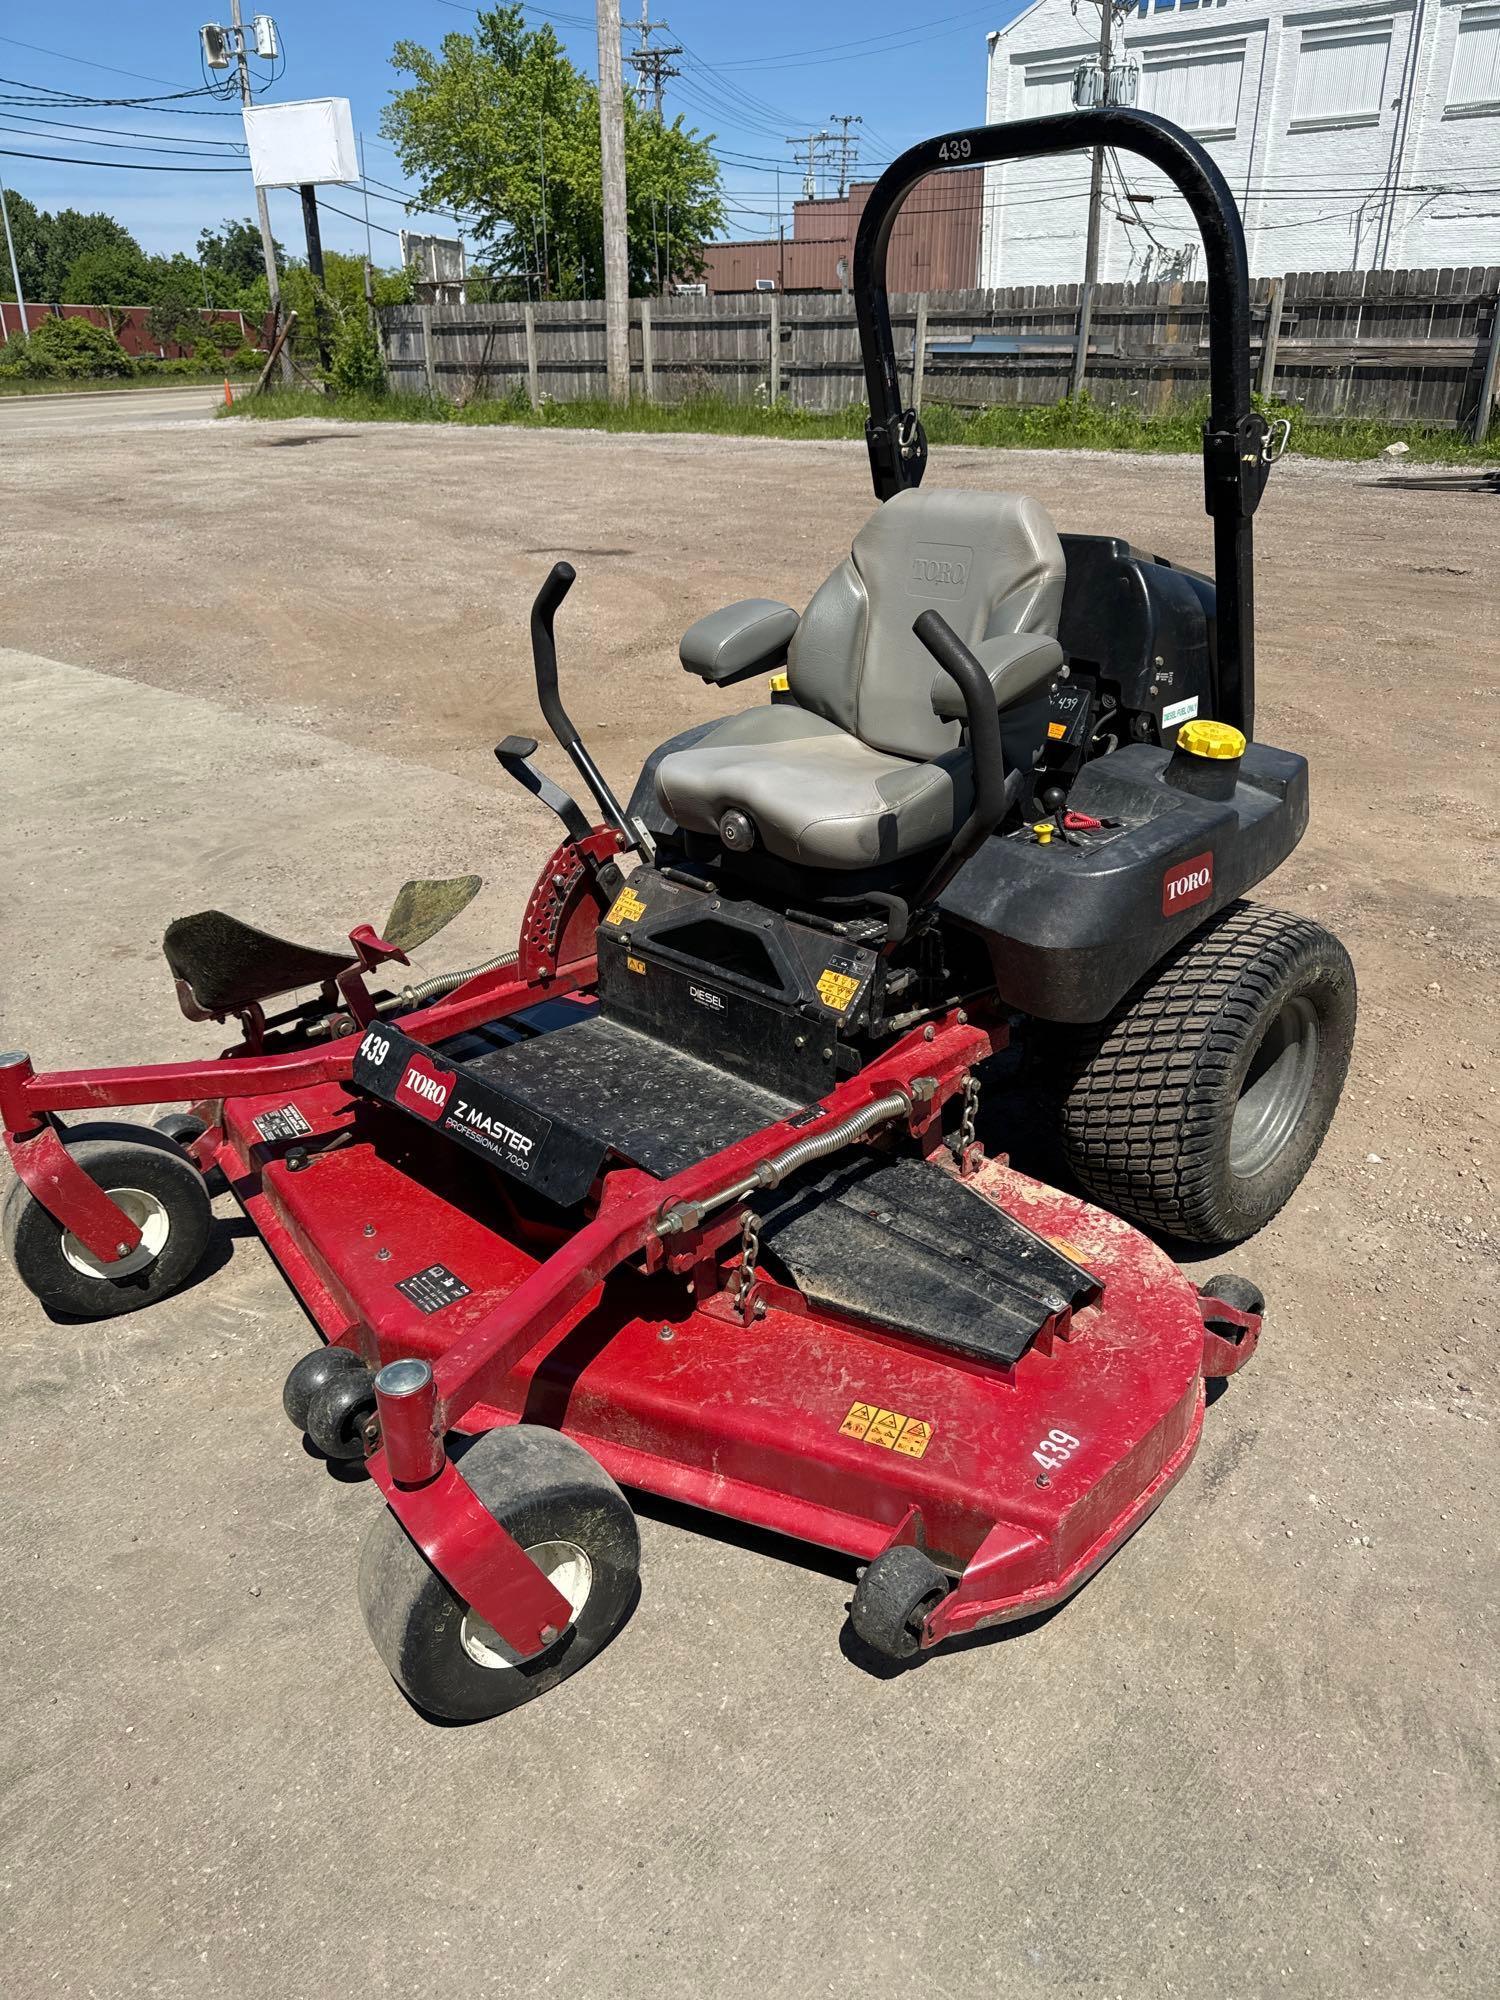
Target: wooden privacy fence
{"points": [[1406, 346]]}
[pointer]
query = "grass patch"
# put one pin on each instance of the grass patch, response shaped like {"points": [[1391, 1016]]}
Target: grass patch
{"points": [[1073, 424]]}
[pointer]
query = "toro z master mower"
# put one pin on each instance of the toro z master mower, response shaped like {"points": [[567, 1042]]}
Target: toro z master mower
{"points": [[686, 1194]]}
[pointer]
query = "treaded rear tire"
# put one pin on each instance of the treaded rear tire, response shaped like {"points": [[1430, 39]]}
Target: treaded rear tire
{"points": [[1149, 1094]]}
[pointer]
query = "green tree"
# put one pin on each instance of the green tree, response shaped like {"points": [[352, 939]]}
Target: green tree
{"points": [[28, 228], [72, 235], [48, 246], [110, 275], [233, 259], [501, 126]]}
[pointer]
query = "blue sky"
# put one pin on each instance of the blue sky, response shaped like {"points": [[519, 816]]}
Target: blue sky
{"points": [[752, 75]]}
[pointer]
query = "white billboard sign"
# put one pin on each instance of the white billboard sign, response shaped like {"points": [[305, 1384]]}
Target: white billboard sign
{"points": [[309, 141]]}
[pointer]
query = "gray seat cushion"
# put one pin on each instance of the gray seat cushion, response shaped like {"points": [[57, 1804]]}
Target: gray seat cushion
{"points": [[817, 795], [861, 767]]}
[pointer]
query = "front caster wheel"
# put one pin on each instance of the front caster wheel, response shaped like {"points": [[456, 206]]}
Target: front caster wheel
{"points": [[576, 1526], [312, 1373], [338, 1412], [892, 1599], [157, 1186]]}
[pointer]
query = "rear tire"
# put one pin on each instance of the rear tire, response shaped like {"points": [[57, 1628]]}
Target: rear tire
{"points": [[1196, 1107], [162, 1191], [575, 1523]]}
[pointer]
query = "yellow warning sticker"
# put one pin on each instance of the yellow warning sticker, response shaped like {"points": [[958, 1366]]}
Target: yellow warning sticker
{"points": [[627, 908], [836, 989], [1057, 731], [634, 964], [887, 1428]]}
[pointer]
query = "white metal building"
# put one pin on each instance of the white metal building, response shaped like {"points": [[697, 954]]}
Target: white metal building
{"points": [[1357, 135]]}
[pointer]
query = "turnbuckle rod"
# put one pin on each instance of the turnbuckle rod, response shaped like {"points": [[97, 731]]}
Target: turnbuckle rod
{"points": [[685, 1215]]}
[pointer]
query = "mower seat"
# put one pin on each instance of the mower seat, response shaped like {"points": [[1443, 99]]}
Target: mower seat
{"points": [[866, 764]]}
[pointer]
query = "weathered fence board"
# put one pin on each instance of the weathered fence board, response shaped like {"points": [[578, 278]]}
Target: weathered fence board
{"points": [[1409, 346]]}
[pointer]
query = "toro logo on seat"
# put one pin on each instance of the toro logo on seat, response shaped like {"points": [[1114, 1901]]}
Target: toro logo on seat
{"points": [[424, 1088], [1187, 883]]}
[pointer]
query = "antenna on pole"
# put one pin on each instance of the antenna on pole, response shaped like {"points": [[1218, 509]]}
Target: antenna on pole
{"points": [[848, 147], [652, 66], [815, 142]]}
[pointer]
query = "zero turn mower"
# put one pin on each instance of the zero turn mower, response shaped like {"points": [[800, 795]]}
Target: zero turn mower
{"points": [[686, 1194]]}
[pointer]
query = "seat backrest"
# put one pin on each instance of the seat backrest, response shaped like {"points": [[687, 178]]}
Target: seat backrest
{"points": [[989, 562]]}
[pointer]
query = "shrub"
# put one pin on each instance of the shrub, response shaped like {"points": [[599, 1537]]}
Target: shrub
{"points": [[356, 367], [75, 348]]}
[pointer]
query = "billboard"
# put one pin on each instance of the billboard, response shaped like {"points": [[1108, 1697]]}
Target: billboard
{"points": [[437, 265], [308, 141]]}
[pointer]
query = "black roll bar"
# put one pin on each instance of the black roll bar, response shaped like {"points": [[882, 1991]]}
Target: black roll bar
{"points": [[1236, 456]]}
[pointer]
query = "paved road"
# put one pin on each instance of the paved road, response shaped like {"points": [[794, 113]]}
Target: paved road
{"points": [[108, 409]]}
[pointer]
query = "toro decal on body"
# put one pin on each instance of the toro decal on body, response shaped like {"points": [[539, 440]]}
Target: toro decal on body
{"points": [[403, 1072], [1187, 883]]}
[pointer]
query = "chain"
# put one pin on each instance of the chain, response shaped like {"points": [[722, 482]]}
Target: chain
{"points": [[966, 1133], [749, 1253]]}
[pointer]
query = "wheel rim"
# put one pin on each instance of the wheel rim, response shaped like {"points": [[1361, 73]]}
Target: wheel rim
{"points": [[1276, 1089], [567, 1568], [149, 1214]]}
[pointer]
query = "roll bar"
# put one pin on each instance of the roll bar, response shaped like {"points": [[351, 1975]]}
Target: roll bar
{"points": [[1236, 453]]}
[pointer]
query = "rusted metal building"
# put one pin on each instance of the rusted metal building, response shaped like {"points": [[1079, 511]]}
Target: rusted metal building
{"points": [[934, 245]]}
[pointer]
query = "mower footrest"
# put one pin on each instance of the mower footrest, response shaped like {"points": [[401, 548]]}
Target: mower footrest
{"points": [[904, 1245]]}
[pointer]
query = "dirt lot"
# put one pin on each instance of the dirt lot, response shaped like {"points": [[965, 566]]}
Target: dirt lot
{"points": [[263, 668]]}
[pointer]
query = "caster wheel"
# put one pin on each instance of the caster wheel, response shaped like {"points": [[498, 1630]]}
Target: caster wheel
{"points": [[337, 1412], [1236, 1292], [181, 1127], [309, 1375], [161, 1191], [575, 1524], [892, 1599]]}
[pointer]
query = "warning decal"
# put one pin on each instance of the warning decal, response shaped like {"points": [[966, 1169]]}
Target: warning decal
{"points": [[287, 1123], [627, 908], [836, 989], [434, 1288], [887, 1428]]}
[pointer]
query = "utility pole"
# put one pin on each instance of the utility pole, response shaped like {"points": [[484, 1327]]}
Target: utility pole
{"points": [[1096, 173], [1096, 190], [612, 169], [652, 66], [814, 142], [848, 148], [15, 271], [267, 240]]}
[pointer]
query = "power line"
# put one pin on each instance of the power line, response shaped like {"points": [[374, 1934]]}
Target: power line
{"points": [[113, 166]]}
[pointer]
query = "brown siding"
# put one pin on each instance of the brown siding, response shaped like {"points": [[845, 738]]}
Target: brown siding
{"points": [[934, 244], [129, 323]]}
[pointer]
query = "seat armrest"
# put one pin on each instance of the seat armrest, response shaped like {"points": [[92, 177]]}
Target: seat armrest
{"points": [[741, 639], [1017, 664]]}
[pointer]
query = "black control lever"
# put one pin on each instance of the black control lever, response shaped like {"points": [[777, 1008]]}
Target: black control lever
{"points": [[515, 755], [994, 792], [544, 656]]}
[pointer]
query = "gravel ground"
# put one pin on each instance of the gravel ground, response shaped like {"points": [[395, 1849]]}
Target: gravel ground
{"points": [[262, 667]]}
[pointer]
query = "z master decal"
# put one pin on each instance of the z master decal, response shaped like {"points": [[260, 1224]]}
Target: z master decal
{"points": [[404, 1073], [1188, 883]]}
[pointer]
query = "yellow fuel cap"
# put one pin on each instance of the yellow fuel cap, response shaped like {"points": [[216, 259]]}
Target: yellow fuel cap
{"points": [[1219, 740]]}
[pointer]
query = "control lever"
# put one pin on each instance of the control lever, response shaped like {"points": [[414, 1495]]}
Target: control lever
{"points": [[995, 789], [515, 755], [544, 657]]}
